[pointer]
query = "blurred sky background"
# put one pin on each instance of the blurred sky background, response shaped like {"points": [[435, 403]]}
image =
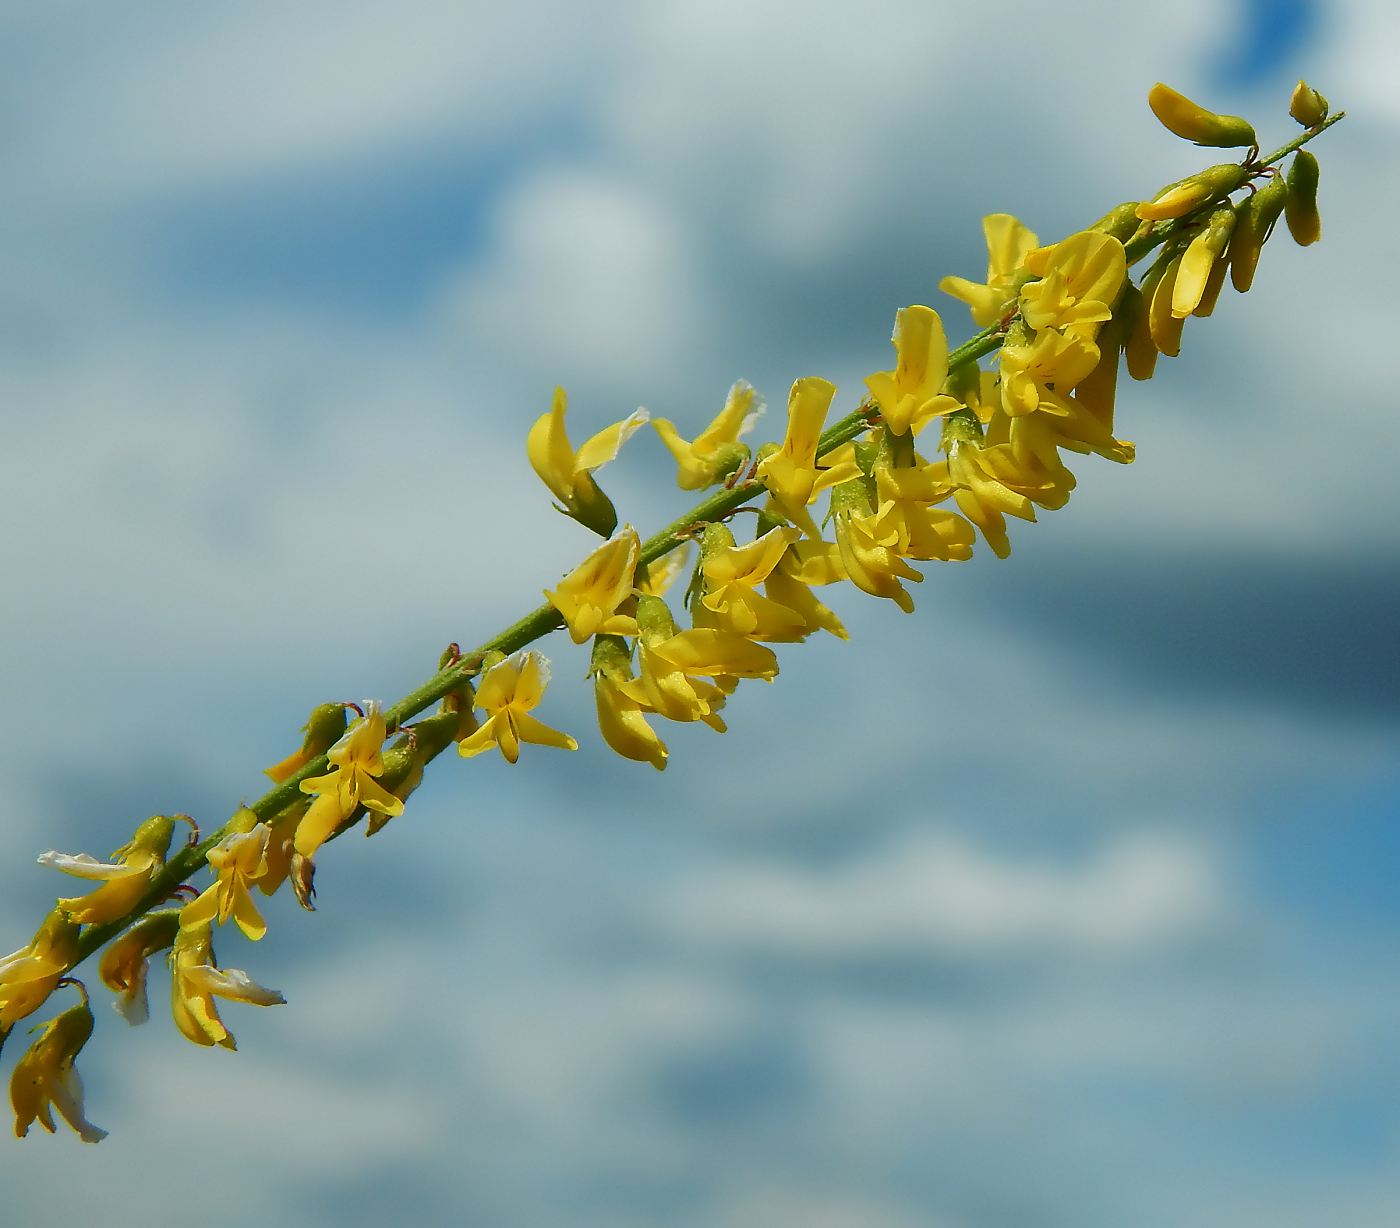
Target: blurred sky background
{"points": [[1068, 901]]}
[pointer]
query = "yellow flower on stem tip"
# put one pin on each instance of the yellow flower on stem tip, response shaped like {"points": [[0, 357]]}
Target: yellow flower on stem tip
{"points": [[45, 1076], [124, 881], [125, 961], [732, 574], [716, 451], [621, 717], [791, 473], [1008, 242], [238, 859], [506, 693], [568, 474], [196, 980], [357, 760], [29, 975], [922, 531], [1082, 281], [589, 595], [912, 394]]}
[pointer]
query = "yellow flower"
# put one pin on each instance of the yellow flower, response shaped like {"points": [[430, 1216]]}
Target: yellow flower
{"points": [[716, 451], [506, 693], [791, 473], [124, 963], [1082, 281], [196, 980], [1008, 241], [46, 1076], [981, 496], [674, 665], [323, 729], [238, 859], [589, 595], [29, 975], [731, 600], [912, 393], [869, 548], [357, 760], [124, 881], [568, 474], [922, 531], [1053, 363], [621, 717]]}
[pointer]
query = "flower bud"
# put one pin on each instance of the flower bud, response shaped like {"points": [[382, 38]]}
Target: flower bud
{"points": [[1301, 210], [1199, 261], [323, 730], [1254, 222], [1140, 355], [1193, 122], [1120, 223], [1186, 195], [1166, 327], [1307, 106]]}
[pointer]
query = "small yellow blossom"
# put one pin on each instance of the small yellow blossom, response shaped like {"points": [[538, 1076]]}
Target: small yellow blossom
{"points": [[506, 693], [124, 963], [675, 664], [923, 532], [791, 473], [621, 717], [568, 474], [29, 975], [716, 451], [589, 595], [1082, 281], [869, 548], [238, 859], [196, 980], [1008, 243], [45, 1076], [324, 728], [731, 600], [356, 760], [912, 394], [1053, 362], [124, 881], [1193, 122]]}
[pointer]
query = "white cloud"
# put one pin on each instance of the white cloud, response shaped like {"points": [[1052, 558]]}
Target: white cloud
{"points": [[592, 278], [938, 894]]}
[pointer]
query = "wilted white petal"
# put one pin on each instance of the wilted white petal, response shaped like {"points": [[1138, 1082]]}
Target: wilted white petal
{"points": [[80, 865]]}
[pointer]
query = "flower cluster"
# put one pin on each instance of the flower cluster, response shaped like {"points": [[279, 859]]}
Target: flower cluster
{"points": [[939, 452]]}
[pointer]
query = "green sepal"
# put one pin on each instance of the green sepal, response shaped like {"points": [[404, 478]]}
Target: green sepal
{"points": [[1300, 211]]}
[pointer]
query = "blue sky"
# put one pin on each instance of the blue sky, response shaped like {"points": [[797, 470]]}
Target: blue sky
{"points": [[1066, 900]]}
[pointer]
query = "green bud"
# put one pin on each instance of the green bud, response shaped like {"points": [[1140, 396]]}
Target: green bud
{"points": [[1140, 354], [611, 658], [1307, 106], [857, 495], [1255, 218], [1300, 212], [965, 380], [1189, 194], [592, 508], [152, 836], [768, 520], [1193, 122], [324, 728], [654, 618], [1120, 223], [243, 821]]}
